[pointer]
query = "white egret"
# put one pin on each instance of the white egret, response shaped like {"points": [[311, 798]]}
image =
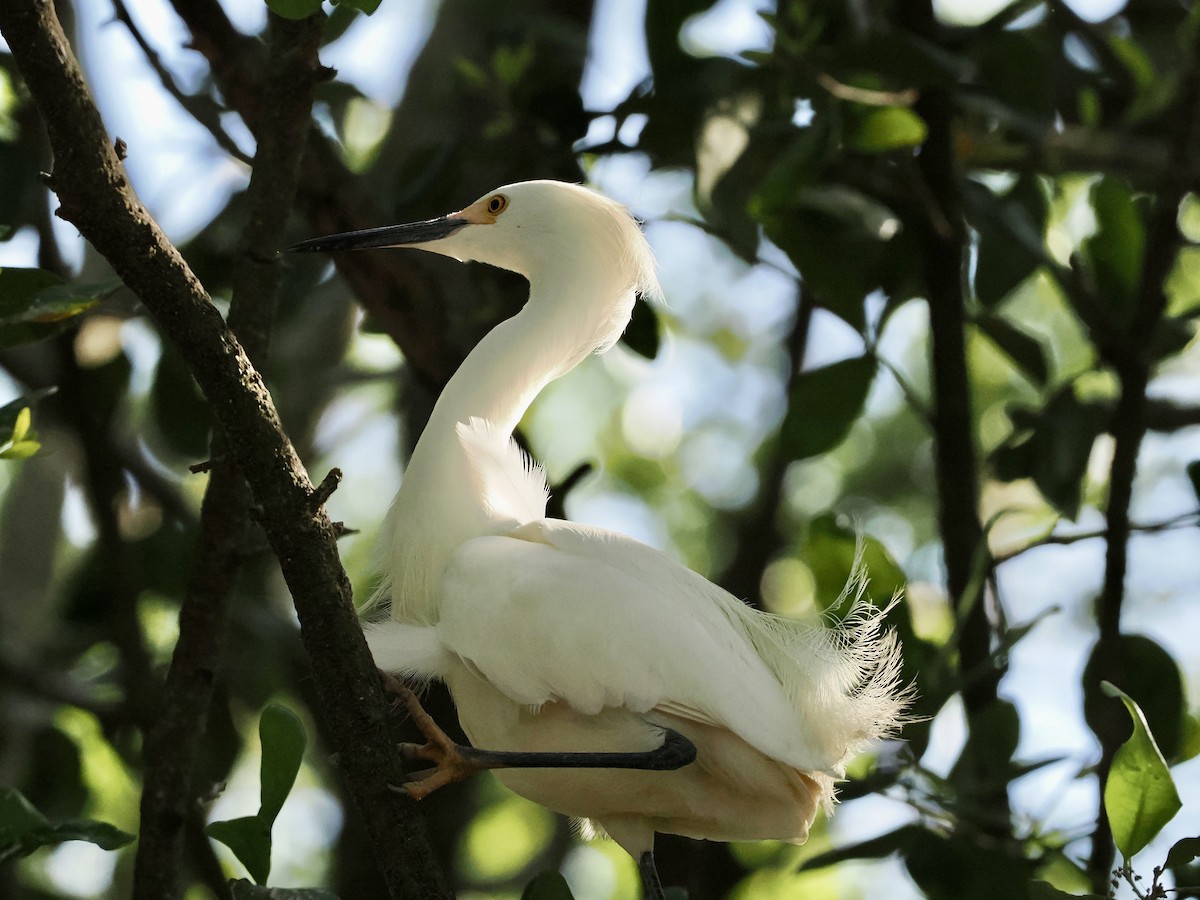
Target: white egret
{"points": [[567, 646]]}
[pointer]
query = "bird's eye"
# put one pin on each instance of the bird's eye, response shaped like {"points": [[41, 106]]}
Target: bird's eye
{"points": [[497, 204]]}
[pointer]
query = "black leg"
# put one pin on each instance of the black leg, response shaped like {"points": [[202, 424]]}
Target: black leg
{"points": [[651, 886], [675, 752], [454, 762]]}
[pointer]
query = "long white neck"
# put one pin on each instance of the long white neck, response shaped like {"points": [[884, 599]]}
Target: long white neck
{"points": [[440, 503]]}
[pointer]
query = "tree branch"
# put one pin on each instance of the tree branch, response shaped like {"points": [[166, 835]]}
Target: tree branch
{"points": [[95, 195], [173, 744], [1133, 365]]}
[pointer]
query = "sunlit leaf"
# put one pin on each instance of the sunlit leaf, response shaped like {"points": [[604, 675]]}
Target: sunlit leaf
{"points": [[1139, 796], [824, 403], [886, 128]]}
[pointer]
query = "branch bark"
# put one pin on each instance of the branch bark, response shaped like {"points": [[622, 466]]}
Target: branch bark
{"points": [[956, 460], [95, 196], [169, 799]]}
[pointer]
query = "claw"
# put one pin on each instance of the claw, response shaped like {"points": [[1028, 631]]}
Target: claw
{"points": [[450, 764]]}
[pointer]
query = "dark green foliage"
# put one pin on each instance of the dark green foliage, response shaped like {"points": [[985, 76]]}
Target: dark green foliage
{"points": [[23, 829]]}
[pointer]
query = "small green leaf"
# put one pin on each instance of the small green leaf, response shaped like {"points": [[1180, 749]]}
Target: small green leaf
{"points": [[1139, 796], [294, 9], [823, 405], [547, 886], [887, 128], [363, 6], [283, 740], [250, 840], [21, 426], [19, 450]]}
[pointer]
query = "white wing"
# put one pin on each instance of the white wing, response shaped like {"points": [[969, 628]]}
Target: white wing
{"points": [[596, 619]]}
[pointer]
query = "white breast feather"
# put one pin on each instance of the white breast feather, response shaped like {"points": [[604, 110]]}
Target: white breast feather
{"points": [[512, 486]]}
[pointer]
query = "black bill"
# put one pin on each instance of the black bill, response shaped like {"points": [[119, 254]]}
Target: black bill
{"points": [[388, 236]]}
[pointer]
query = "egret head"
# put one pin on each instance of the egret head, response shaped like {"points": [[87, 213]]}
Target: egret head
{"points": [[539, 229]]}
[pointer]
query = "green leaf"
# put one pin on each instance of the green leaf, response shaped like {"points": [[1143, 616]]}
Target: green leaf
{"points": [[886, 128], [18, 446], [641, 335], [1182, 852], [35, 304], [1153, 678], [294, 9], [242, 889], [897, 841], [1139, 796], [250, 840], [23, 829], [1025, 350], [281, 735], [1052, 446], [363, 6], [824, 403], [1044, 890], [21, 425], [1010, 242], [1115, 251], [283, 740], [547, 886], [19, 450]]}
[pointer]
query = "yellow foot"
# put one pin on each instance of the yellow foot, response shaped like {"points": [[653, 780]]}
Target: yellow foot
{"points": [[449, 762]]}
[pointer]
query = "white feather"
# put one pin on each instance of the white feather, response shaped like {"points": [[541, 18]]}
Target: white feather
{"points": [[511, 485]]}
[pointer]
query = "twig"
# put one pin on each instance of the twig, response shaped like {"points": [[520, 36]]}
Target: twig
{"points": [[95, 195], [1183, 520], [323, 491], [202, 109]]}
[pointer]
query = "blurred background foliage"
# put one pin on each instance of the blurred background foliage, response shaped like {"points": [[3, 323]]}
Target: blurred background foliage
{"points": [[932, 280]]}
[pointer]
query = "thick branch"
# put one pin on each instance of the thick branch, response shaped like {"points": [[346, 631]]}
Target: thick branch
{"points": [[943, 239], [96, 197], [172, 748]]}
